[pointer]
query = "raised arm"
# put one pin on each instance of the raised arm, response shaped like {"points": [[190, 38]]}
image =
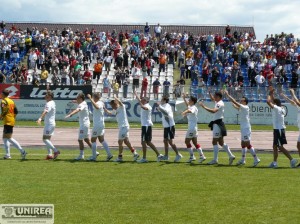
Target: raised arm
{"points": [[184, 98], [138, 98], [288, 99], [211, 110], [296, 100], [72, 113], [232, 100], [211, 96], [270, 99], [93, 102], [119, 101]]}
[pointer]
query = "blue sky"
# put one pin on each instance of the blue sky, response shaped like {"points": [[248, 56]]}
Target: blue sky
{"points": [[267, 16]]}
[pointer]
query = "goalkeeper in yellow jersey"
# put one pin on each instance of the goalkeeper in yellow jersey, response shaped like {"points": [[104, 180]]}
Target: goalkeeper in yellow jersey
{"points": [[8, 114]]}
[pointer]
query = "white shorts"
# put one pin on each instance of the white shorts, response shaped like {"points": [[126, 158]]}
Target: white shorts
{"points": [[216, 131], [192, 133], [246, 134], [97, 131], [123, 133], [48, 130], [83, 132]]}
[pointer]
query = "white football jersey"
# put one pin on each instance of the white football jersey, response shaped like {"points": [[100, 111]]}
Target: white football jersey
{"points": [[167, 115], [83, 114], [98, 115], [122, 117], [146, 116], [50, 108], [244, 116], [192, 117], [220, 113], [278, 114]]}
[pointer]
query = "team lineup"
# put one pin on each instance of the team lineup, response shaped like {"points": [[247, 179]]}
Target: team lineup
{"points": [[9, 113]]}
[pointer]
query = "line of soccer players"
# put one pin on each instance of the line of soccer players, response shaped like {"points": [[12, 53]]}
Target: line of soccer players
{"points": [[217, 126]]}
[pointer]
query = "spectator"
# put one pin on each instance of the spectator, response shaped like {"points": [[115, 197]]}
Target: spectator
{"points": [[162, 63], [205, 70], [215, 76], [156, 84], [260, 81], [158, 31], [166, 90], [97, 70], [144, 87], [201, 85], [64, 74], [188, 67], [106, 85], [44, 75], [87, 76], [115, 86]]}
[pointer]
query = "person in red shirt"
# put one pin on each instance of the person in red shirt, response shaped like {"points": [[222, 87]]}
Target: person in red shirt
{"points": [[87, 76], [77, 46], [144, 87]]}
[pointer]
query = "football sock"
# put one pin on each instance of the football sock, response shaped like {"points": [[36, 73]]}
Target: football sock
{"points": [[190, 151], [227, 149], [252, 151], [16, 144], [81, 152], [216, 151], [244, 150], [50, 146], [105, 146], [94, 149], [6, 146], [200, 151]]}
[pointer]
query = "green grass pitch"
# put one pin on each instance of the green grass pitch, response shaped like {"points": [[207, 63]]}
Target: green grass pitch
{"points": [[165, 192]]}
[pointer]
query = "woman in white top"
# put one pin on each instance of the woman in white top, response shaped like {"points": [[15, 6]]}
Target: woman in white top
{"points": [[245, 126], [192, 133], [279, 138], [84, 123], [49, 115], [295, 101]]}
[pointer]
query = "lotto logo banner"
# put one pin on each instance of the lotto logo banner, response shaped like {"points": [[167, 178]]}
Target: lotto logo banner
{"points": [[14, 90], [59, 92], [27, 213]]}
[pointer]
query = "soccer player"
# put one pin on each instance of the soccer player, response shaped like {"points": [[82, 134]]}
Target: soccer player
{"points": [[8, 115], [84, 124], [295, 101], [192, 133], [120, 112], [245, 126], [98, 127], [279, 138], [146, 122], [169, 128], [49, 115], [218, 127]]}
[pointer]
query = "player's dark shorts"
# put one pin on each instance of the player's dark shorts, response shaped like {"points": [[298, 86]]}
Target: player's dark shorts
{"points": [[146, 133], [7, 129], [169, 132], [279, 138]]}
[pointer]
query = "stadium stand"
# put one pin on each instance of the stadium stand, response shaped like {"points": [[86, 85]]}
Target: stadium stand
{"points": [[212, 57]]}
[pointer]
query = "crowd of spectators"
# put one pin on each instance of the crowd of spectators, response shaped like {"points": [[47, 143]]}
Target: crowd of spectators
{"points": [[232, 59]]}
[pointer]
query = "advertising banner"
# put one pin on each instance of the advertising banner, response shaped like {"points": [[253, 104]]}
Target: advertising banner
{"points": [[60, 92], [14, 90]]}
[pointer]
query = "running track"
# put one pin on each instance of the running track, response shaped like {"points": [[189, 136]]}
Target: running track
{"points": [[67, 138]]}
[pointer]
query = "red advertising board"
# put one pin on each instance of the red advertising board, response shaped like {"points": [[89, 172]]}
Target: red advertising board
{"points": [[14, 90]]}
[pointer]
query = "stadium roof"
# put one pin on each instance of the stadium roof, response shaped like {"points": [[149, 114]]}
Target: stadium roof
{"points": [[196, 29]]}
